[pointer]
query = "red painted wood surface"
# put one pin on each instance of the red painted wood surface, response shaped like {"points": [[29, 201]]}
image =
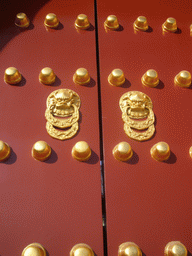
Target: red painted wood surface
{"points": [[147, 202], [56, 203]]}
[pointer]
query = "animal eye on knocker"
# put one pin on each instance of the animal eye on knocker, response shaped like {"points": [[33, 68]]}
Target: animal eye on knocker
{"points": [[137, 115], [62, 114]]}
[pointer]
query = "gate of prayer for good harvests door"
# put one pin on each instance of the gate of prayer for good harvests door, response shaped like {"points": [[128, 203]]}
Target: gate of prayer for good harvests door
{"points": [[95, 144], [49, 199], [145, 74]]}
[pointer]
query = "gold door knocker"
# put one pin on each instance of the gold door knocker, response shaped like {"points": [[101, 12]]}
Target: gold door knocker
{"points": [[62, 112], [137, 115]]}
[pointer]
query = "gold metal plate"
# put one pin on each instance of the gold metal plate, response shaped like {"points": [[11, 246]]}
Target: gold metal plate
{"points": [[62, 112], [137, 115]]}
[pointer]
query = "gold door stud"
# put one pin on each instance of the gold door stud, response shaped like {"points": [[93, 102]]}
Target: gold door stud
{"points": [[22, 20], [122, 151], [175, 248], [47, 76], [117, 77], [41, 151], [150, 78], [111, 22], [141, 24], [81, 250], [81, 76], [51, 20], [82, 22], [129, 249], [169, 25], [34, 249], [12, 76], [160, 151], [183, 79], [81, 151], [5, 151], [190, 152]]}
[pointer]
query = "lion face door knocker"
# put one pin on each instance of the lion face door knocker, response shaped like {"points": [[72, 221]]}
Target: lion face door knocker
{"points": [[137, 115], [62, 114]]}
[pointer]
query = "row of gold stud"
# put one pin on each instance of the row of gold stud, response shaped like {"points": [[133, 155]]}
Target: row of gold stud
{"points": [[36, 249], [159, 152], [42, 151], [52, 21], [82, 77], [82, 152], [150, 78], [174, 248], [46, 76], [111, 23], [141, 24]]}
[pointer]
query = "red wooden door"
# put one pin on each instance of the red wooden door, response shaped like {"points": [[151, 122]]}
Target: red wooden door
{"points": [[147, 202], [56, 203]]}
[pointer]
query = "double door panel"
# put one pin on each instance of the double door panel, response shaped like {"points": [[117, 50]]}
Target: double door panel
{"points": [[56, 203], [147, 202]]}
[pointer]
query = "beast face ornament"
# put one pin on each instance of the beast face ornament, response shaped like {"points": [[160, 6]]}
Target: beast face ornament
{"points": [[137, 115], [62, 113]]}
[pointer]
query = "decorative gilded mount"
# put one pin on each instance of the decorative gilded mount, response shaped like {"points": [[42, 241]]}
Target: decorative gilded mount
{"points": [[63, 113], [137, 115]]}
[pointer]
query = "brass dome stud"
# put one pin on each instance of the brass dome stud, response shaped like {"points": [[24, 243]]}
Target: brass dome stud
{"points": [[81, 250], [81, 76], [122, 151], [47, 76], [190, 30], [175, 248], [160, 151], [117, 77], [41, 151], [140, 23], [51, 20], [34, 249], [81, 151], [183, 79], [190, 152], [129, 249], [12, 76], [150, 78], [5, 151], [169, 25], [82, 22], [22, 20], [111, 22]]}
